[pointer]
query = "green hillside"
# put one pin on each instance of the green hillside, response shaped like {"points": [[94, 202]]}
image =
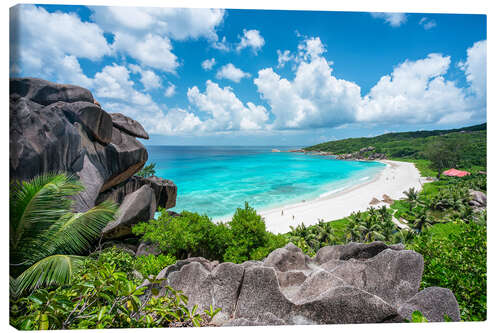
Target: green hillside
{"points": [[412, 145]]}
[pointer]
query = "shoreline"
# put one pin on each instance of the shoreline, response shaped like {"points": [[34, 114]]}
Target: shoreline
{"points": [[395, 178]]}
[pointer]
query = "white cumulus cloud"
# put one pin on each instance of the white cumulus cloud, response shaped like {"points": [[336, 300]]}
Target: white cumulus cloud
{"points": [[283, 57], [208, 64], [149, 79], [175, 23], [170, 91], [231, 72], [475, 69], [226, 112], [42, 48], [251, 39], [415, 92], [427, 24], [393, 19]]}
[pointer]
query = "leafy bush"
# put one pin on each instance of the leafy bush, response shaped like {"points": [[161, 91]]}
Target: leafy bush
{"points": [[190, 235], [457, 262], [153, 264], [102, 296], [248, 236]]}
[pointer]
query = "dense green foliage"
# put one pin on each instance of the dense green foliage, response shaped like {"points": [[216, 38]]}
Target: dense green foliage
{"points": [[103, 294], [190, 234], [46, 237], [147, 170], [413, 145], [457, 262], [152, 264]]}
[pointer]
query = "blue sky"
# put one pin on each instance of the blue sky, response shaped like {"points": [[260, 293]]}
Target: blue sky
{"points": [[260, 77]]}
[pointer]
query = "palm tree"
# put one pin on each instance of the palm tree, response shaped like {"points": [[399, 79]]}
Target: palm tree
{"points": [[387, 227], [353, 233], [411, 194], [422, 221], [370, 227], [404, 236], [46, 237]]}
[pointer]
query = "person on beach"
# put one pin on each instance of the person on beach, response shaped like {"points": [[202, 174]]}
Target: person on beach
{"points": [[281, 213]]}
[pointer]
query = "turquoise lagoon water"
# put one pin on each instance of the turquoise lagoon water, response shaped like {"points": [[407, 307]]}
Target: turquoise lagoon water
{"points": [[217, 180]]}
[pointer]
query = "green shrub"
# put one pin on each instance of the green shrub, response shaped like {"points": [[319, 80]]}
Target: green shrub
{"points": [[190, 235], [457, 262], [249, 237], [153, 264], [102, 296]]}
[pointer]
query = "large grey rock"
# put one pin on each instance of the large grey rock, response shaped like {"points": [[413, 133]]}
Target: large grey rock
{"points": [[207, 264], [392, 275], [434, 303], [124, 157], [138, 206], [128, 125], [265, 319], [315, 284], [42, 140], [346, 305], [374, 283], [95, 120], [165, 190], [478, 198], [218, 288], [287, 258], [58, 128], [260, 292], [45, 92], [352, 250]]}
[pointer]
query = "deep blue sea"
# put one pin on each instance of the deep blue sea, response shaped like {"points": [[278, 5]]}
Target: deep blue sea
{"points": [[215, 180]]}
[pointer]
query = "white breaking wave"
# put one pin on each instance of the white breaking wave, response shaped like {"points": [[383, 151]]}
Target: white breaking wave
{"points": [[331, 192]]}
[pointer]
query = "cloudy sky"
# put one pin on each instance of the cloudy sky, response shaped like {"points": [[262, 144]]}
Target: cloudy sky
{"points": [[249, 77]]}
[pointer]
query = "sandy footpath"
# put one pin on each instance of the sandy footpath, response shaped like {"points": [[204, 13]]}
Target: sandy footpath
{"points": [[393, 180]]}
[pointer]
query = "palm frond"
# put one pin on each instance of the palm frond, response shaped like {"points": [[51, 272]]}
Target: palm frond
{"points": [[53, 270], [75, 232], [34, 206]]}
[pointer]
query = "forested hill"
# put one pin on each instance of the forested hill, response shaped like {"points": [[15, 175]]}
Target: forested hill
{"points": [[412, 145]]}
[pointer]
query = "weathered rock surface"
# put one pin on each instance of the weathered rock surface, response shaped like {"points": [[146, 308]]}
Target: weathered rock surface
{"points": [[44, 92], [128, 125], [352, 283], [165, 190], [59, 128], [434, 303], [138, 206], [478, 198]]}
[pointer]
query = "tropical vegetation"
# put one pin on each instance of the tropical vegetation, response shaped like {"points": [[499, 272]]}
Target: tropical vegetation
{"points": [[468, 146], [46, 237]]}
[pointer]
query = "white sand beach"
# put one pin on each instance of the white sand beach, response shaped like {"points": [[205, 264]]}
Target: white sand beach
{"points": [[392, 181]]}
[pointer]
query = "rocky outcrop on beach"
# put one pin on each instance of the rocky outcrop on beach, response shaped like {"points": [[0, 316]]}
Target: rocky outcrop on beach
{"points": [[61, 128], [366, 153], [352, 283]]}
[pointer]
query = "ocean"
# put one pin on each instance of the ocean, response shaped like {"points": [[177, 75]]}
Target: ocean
{"points": [[215, 180]]}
